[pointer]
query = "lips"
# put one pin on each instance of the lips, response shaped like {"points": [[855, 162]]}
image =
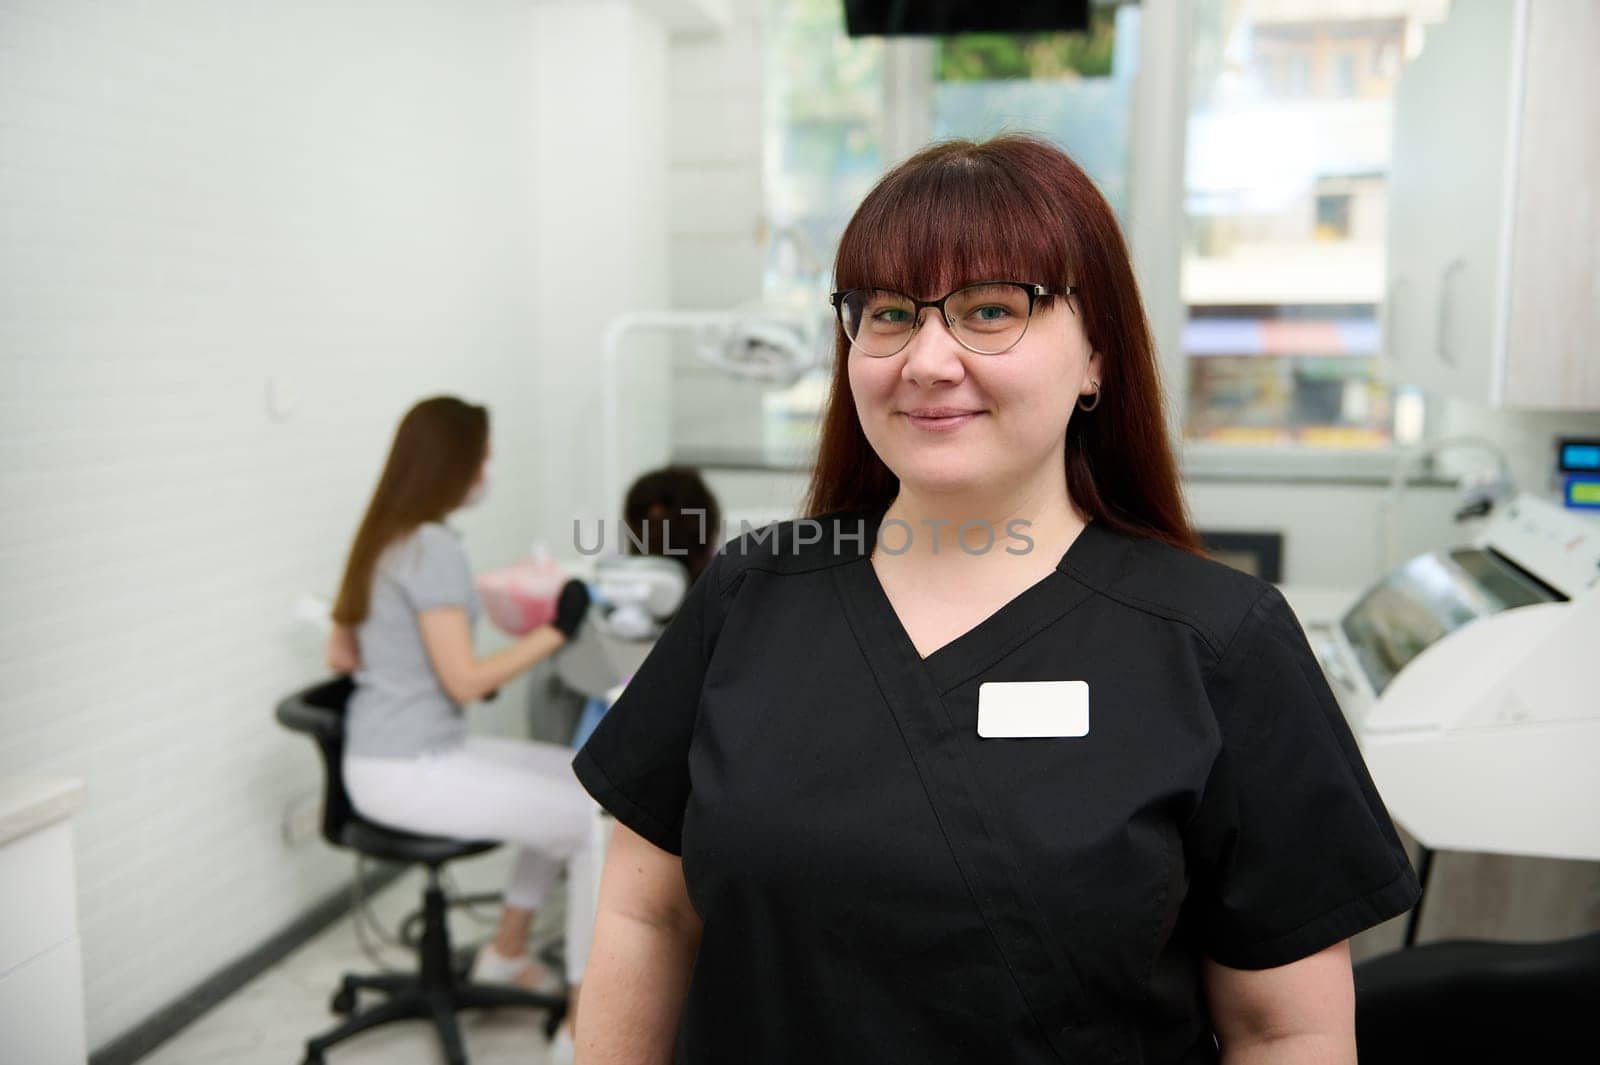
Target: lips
{"points": [[941, 419]]}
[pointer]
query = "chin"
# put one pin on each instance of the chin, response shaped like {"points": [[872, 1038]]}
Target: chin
{"points": [[941, 477]]}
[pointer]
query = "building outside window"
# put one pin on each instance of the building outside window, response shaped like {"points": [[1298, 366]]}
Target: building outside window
{"points": [[1290, 117]]}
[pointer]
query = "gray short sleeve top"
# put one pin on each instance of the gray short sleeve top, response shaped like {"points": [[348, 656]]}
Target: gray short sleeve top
{"points": [[399, 709]]}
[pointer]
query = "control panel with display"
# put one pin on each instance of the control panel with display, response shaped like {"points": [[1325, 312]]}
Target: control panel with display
{"points": [[1578, 463]]}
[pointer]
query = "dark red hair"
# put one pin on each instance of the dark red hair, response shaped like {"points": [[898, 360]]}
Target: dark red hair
{"points": [[1014, 208]]}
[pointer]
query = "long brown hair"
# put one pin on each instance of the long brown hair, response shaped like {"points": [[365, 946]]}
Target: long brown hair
{"points": [[1014, 208], [437, 452]]}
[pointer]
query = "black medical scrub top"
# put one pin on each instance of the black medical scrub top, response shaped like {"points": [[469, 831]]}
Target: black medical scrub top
{"points": [[878, 884]]}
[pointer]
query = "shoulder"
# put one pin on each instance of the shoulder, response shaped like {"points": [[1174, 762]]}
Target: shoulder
{"points": [[790, 548], [430, 544], [1171, 585], [436, 538], [436, 534]]}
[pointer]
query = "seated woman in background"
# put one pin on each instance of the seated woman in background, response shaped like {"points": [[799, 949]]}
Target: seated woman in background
{"points": [[403, 626], [669, 513]]}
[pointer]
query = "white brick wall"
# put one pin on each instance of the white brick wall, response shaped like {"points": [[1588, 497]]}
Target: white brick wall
{"points": [[716, 202], [199, 202], [601, 241]]}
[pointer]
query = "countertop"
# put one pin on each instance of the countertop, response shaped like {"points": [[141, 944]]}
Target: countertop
{"points": [[28, 804]]}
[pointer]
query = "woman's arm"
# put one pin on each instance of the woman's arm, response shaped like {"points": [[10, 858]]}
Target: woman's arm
{"points": [[464, 676], [343, 652], [645, 937], [1303, 1012]]}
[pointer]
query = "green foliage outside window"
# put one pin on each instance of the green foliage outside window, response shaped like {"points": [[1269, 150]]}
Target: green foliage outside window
{"points": [[1003, 56]]}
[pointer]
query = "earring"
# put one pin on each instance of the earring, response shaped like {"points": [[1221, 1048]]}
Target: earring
{"points": [[1096, 402]]}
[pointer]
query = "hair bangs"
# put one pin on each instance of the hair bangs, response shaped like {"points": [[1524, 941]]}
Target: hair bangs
{"points": [[962, 217]]}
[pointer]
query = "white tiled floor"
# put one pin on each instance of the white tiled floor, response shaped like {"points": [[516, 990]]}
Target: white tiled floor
{"points": [[268, 1021]]}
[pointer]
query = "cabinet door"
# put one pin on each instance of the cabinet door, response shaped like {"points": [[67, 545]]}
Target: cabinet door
{"points": [[1553, 342], [1411, 267], [1447, 201]]}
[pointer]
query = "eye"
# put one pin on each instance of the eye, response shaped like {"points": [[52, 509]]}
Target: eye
{"points": [[990, 312], [891, 315]]}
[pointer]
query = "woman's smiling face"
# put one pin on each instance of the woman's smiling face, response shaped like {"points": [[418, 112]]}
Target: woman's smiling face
{"points": [[946, 419]]}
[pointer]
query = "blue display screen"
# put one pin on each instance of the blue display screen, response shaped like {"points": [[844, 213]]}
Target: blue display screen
{"points": [[1580, 457]]}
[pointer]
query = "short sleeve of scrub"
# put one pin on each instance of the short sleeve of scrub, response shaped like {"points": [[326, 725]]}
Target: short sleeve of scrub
{"points": [[1291, 848], [432, 570], [636, 762]]}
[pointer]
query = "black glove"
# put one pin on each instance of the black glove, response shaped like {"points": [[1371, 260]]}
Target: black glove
{"points": [[571, 606]]}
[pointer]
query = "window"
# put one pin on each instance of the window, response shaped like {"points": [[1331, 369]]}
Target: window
{"points": [[840, 111], [839, 108], [1283, 258], [1333, 216], [824, 145], [1344, 75], [1074, 88], [1283, 185]]}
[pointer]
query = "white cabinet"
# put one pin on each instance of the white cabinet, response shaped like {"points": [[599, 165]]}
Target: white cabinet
{"points": [[41, 969], [1493, 294]]}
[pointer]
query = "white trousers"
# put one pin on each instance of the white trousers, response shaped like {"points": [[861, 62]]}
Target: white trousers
{"points": [[516, 791]]}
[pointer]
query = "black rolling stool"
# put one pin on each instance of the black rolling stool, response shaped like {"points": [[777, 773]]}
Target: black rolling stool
{"points": [[437, 990]]}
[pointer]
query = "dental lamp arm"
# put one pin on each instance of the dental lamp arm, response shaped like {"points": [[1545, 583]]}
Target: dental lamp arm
{"points": [[1404, 462]]}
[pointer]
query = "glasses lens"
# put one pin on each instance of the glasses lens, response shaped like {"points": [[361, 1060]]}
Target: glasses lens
{"points": [[877, 321], [989, 318]]}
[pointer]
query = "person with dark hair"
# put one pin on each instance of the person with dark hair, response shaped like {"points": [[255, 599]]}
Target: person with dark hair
{"points": [[403, 625], [982, 761], [670, 512]]}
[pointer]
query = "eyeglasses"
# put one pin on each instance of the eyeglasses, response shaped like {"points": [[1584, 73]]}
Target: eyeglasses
{"points": [[987, 318]]}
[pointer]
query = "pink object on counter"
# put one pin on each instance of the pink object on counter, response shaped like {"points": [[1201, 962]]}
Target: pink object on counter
{"points": [[522, 596]]}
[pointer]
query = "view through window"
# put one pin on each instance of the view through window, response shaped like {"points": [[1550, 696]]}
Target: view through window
{"points": [[1283, 258], [834, 108]]}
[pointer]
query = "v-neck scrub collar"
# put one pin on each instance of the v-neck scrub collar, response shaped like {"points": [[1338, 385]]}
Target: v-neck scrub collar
{"points": [[1018, 620]]}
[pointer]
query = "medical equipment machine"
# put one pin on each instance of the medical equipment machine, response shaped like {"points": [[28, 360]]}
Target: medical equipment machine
{"points": [[633, 598], [1480, 491], [1467, 676], [772, 343], [776, 340]]}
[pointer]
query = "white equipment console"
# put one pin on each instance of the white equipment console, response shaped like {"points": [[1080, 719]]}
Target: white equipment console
{"points": [[1471, 677]]}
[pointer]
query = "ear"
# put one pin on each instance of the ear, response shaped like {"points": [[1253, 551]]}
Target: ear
{"points": [[1093, 370]]}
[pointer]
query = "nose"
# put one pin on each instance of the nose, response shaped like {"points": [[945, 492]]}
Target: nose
{"points": [[933, 353]]}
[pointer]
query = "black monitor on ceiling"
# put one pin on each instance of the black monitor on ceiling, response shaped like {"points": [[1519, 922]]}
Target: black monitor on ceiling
{"points": [[869, 18]]}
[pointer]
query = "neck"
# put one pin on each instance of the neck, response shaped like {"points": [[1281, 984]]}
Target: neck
{"points": [[1045, 507]]}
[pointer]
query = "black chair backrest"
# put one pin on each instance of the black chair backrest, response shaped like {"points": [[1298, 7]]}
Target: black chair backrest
{"points": [[318, 711], [1471, 1002]]}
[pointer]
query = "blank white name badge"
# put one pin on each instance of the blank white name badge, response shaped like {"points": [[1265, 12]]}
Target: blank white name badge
{"points": [[1033, 708]]}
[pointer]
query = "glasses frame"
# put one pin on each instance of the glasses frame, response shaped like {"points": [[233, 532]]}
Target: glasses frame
{"points": [[1035, 293]]}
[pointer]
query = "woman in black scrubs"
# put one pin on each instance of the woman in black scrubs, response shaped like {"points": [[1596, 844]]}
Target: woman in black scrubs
{"points": [[983, 762]]}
